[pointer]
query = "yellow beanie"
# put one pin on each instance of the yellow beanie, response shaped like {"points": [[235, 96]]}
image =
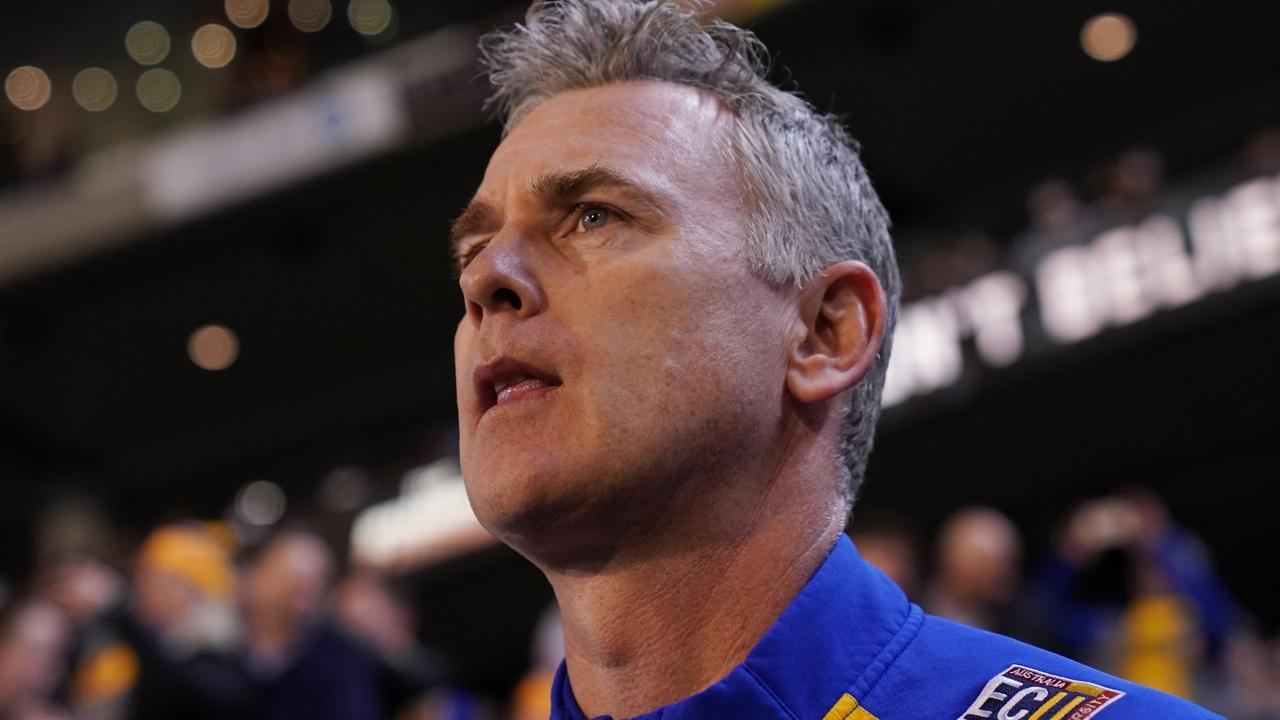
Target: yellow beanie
{"points": [[194, 554]]}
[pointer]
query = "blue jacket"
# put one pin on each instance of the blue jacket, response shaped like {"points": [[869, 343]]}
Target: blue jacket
{"points": [[852, 647]]}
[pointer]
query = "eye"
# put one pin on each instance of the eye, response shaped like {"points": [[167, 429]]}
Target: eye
{"points": [[594, 217]]}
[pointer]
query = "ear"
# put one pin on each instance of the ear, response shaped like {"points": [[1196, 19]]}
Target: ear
{"points": [[843, 311]]}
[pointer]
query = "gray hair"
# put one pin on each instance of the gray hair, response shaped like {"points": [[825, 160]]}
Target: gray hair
{"points": [[812, 204]]}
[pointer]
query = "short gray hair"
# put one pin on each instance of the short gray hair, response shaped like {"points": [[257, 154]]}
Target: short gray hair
{"points": [[811, 200]]}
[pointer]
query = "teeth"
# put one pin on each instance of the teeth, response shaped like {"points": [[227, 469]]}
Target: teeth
{"points": [[503, 384]]}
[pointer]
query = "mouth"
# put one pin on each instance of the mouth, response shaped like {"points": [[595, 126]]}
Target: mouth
{"points": [[505, 381]]}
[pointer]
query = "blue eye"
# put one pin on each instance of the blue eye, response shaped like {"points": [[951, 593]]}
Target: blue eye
{"points": [[593, 218]]}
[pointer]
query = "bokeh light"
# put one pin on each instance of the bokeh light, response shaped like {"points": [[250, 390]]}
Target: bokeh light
{"points": [[247, 13], [213, 347], [158, 90], [94, 89], [147, 42], [310, 15], [1108, 37], [213, 45], [370, 17], [260, 503], [28, 88]]}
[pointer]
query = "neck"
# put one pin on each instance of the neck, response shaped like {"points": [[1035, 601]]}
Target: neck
{"points": [[672, 612]]}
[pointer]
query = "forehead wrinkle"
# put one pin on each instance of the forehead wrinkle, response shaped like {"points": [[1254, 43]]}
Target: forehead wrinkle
{"points": [[639, 141], [652, 128]]}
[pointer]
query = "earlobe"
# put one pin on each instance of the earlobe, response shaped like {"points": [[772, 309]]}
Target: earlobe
{"points": [[843, 316]]}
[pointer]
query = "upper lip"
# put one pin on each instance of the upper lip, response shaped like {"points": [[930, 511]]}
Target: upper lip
{"points": [[502, 371]]}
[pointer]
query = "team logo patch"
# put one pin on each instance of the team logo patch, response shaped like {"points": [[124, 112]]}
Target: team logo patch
{"points": [[1022, 693]]}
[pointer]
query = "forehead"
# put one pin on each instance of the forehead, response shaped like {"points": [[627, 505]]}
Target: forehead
{"points": [[662, 134]]}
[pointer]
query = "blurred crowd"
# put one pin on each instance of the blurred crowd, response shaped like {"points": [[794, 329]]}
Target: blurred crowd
{"points": [[201, 630], [202, 627], [1124, 189], [1122, 587]]}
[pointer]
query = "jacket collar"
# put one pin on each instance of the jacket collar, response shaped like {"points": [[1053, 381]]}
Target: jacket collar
{"points": [[826, 643]]}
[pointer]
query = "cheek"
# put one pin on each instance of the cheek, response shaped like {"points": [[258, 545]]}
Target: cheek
{"points": [[644, 326], [673, 341], [463, 339], [463, 342]]}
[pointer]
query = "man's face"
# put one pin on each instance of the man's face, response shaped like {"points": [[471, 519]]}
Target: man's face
{"points": [[616, 346]]}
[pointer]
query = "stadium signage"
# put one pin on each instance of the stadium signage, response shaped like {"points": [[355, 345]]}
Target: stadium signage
{"points": [[1119, 277]]}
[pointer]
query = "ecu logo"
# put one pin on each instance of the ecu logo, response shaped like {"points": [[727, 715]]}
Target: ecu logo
{"points": [[1022, 693]]}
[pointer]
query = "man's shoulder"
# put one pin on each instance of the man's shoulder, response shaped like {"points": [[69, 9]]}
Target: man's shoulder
{"points": [[952, 671]]}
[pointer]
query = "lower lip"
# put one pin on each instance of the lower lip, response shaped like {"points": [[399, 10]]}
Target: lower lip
{"points": [[524, 390]]}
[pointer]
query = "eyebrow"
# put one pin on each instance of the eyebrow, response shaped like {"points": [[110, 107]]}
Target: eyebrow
{"points": [[572, 184], [555, 188], [479, 217]]}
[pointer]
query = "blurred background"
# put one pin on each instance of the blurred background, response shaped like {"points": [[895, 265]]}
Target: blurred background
{"points": [[228, 484]]}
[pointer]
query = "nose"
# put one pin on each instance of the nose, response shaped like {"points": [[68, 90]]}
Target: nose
{"points": [[500, 280]]}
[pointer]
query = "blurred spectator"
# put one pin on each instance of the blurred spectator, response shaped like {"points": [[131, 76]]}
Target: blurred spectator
{"points": [[889, 542], [531, 700], [1054, 207], [184, 589], [1251, 687], [1132, 591], [171, 652], [33, 640], [937, 264], [307, 668], [977, 567], [1132, 185], [977, 579], [368, 609], [1058, 217], [81, 587]]}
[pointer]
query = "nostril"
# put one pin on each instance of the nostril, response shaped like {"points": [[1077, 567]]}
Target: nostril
{"points": [[506, 296]]}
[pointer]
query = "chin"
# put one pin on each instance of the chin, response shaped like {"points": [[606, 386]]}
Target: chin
{"points": [[508, 492], [550, 514]]}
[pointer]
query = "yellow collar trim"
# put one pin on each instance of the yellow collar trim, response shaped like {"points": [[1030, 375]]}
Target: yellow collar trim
{"points": [[847, 708]]}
